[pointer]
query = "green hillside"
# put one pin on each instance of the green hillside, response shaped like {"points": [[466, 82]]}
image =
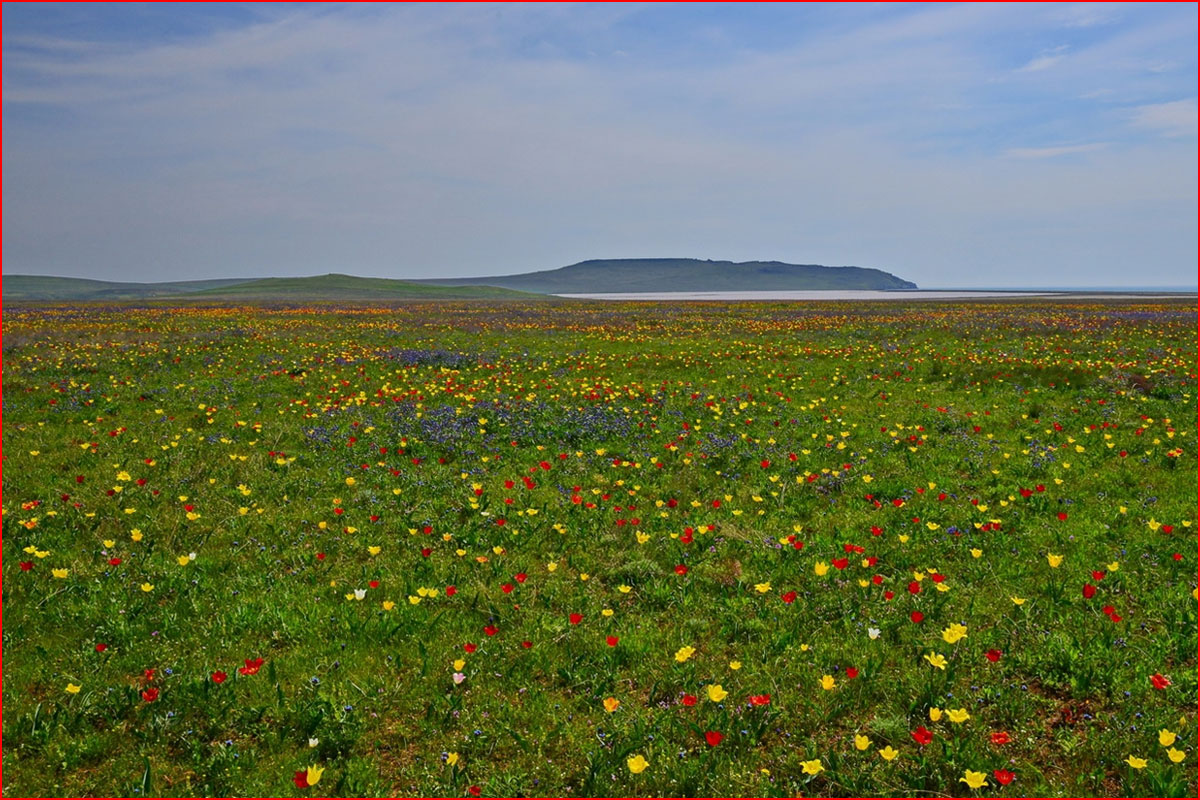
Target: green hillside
{"points": [[43, 287], [351, 287], [687, 275]]}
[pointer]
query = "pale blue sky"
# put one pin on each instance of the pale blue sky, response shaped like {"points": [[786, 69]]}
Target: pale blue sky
{"points": [[954, 145]]}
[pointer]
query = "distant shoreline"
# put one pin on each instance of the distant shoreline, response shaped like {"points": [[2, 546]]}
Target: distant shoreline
{"points": [[901, 295]]}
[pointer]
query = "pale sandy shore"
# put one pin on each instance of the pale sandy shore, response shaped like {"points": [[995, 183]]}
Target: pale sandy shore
{"points": [[864, 294]]}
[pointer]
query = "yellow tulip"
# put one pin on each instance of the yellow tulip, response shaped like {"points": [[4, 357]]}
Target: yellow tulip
{"points": [[861, 742], [959, 715], [935, 714], [147, 587], [610, 704], [61, 573], [954, 633], [1135, 762], [313, 776], [889, 753], [763, 588], [973, 780], [637, 764], [451, 759], [936, 659], [820, 568], [73, 688], [388, 605], [827, 682], [1054, 560], [716, 693], [684, 653], [811, 767], [1166, 738], [1175, 755]]}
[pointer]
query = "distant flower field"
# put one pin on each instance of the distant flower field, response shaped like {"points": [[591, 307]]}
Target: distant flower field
{"points": [[601, 549]]}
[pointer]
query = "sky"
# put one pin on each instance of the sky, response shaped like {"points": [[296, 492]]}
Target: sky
{"points": [[953, 145]]}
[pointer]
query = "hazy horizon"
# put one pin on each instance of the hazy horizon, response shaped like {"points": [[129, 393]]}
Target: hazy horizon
{"points": [[958, 147]]}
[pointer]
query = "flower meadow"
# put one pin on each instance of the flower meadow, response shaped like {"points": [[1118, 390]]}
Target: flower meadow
{"points": [[573, 548]]}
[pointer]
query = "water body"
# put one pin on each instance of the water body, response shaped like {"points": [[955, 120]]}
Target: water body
{"points": [[870, 294]]}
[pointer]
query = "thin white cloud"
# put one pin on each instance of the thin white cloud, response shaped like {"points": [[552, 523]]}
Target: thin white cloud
{"points": [[1054, 152], [1046, 60], [1089, 15], [1177, 118]]}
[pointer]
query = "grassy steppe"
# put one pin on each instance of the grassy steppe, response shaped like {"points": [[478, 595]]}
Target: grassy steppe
{"points": [[509, 548]]}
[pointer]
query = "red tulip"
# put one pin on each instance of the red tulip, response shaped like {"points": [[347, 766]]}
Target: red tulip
{"points": [[788, 597], [611, 641], [219, 677], [922, 736], [713, 738], [760, 699], [1000, 737], [689, 700], [1003, 776], [851, 672], [101, 647], [150, 695], [1089, 591], [993, 655], [575, 619], [490, 630], [301, 779], [681, 570], [1159, 681], [916, 616]]}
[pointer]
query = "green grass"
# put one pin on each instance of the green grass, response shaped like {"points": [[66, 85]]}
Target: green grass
{"points": [[280, 445]]}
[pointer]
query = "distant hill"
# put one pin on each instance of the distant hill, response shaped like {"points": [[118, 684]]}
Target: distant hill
{"points": [[352, 287], [335, 287], [686, 275], [41, 287], [596, 276]]}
